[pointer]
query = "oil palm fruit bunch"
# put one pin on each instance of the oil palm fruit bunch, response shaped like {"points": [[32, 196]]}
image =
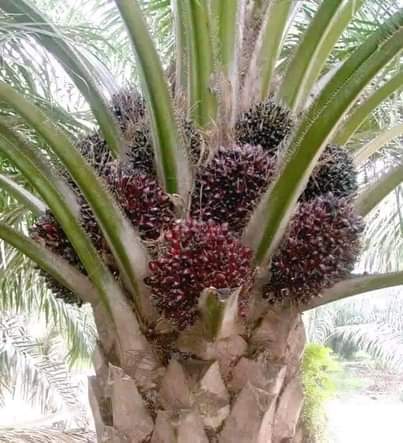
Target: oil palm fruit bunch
{"points": [[47, 231], [319, 249], [230, 183], [265, 124], [195, 255], [132, 182], [335, 173]]}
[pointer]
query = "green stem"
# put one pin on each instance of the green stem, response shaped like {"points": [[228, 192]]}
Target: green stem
{"points": [[54, 265], [364, 110], [182, 45], [363, 154], [172, 165], [376, 192], [267, 50], [357, 285], [202, 103], [29, 200], [227, 34], [322, 34]]}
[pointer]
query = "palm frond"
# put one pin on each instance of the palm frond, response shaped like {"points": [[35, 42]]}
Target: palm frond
{"points": [[383, 237], [40, 377], [75, 326], [24, 293], [44, 435], [369, 324]]}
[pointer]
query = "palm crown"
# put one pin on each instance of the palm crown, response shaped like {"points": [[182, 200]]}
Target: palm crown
{"points": [[217, 194]]}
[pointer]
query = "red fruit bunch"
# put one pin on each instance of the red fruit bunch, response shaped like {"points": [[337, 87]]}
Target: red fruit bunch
{"points": [[195, 255], [229, 186], [146, 205], [321, 248], [148, 208], [47, 232]]}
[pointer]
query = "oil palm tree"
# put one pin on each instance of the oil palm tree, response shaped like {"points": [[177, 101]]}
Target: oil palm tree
{"points": [[208, 210], [39, 369], [34, 369], [363, 324]]}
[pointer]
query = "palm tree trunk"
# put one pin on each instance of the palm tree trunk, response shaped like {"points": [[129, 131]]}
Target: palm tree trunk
{"points": [[244, 389]]}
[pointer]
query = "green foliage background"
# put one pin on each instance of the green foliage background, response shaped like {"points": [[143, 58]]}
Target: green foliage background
{"points": [[319, 368]]}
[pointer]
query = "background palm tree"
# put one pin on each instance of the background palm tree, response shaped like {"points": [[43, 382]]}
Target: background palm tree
{"points": [[365, 324], [45, 436], [41, 337], [211, 48]]}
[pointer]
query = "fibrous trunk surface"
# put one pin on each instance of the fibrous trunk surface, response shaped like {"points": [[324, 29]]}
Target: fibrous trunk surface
{"points": [[238, 388]]}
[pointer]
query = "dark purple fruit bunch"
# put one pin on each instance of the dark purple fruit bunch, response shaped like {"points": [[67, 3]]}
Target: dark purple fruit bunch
{"points": [[129, 107], [228, 187], [47, 232], [195, 255], [335, 173], [266, 124], [149, 209], [146, 205], [95, 150], [140, 154], [320, 249], [193, 140]]}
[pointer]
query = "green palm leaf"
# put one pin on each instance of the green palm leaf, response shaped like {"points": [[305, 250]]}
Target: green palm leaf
{"points": [[170, 157], [50, 38], [315, 130]]}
